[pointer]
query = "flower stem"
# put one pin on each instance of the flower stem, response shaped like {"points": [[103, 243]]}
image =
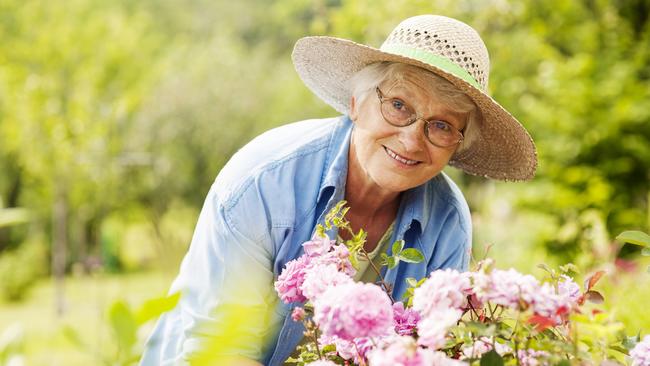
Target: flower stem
{"points": [[381, 278], [469, 302], [314, 335], [346, 225]]}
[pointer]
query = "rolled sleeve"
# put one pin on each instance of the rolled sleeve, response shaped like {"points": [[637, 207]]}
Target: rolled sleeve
{"points": [[227, 297]]}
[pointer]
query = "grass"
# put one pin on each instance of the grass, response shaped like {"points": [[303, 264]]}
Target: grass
{"points": [[86, 299]]}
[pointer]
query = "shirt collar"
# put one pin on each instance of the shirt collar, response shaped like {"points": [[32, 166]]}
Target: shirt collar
{"points": [[336, 163], [413, 204]]}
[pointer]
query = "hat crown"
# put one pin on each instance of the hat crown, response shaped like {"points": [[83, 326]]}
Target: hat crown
{"points": [[447, 38]]}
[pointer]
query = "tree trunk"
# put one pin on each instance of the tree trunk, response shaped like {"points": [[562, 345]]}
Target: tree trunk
{"points": [[59, 246]]}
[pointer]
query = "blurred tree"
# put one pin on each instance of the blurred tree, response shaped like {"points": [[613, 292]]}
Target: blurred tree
{"points": [[582, 82], [122, 106], [111, 107], [70, 88]]}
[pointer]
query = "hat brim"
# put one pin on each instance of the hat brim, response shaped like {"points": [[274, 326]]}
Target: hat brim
{"points": [[503, 149]]}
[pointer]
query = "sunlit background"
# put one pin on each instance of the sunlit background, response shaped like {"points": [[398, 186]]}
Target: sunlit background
{"points": [[116, 116]]}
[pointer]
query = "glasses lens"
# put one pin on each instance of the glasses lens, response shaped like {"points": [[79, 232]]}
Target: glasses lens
{"points": [[396, 112], [442, 133]]}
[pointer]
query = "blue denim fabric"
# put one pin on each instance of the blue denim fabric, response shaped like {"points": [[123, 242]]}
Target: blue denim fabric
{"points": [[263, 205]]}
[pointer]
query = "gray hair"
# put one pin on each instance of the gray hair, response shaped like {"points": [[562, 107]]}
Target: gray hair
{"points": [[363, 83]]}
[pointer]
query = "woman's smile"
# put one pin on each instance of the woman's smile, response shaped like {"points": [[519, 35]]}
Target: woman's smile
{"points": [[400, 159]]}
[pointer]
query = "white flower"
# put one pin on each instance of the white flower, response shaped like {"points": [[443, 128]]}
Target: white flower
{"points": [[432, 330], [640, 354], [443, 289], [483, 345], [508, 288]]}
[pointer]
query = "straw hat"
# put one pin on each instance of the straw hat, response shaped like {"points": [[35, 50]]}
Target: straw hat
{"points": [[447, 47]]}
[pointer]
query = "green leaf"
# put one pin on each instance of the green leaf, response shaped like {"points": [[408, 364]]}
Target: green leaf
{"points": [[320, 230], [618, 348], [309, 356], [545, 267], [645, 252], [634, 237], [491, 358], [411, 255], [360, 236], [563, 363], [73, 336], [354, 260], [569, 268], [123, 323], [329, 348], [630, 342], [398, 245], [153, 308], [476, 327], [392, 262], [411, 281]]}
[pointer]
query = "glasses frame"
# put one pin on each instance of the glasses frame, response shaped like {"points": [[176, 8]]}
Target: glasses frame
{"points": [[414, 118]]}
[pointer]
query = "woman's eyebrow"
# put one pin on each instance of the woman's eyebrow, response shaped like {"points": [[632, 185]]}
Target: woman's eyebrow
{"points": [[457, 118], [407, 98]]}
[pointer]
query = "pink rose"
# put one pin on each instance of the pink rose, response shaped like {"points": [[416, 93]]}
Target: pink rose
{"points": [[405, 320], [298, 314], [443, 289], [433, 329], [290, 280], [317, 245], [319, 278], [354, 310]]}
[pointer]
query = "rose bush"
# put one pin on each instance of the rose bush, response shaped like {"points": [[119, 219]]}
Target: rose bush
{"points": [[488, 316]]}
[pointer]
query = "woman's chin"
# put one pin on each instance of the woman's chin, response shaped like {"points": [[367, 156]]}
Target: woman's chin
{"points": [[396, 182]]}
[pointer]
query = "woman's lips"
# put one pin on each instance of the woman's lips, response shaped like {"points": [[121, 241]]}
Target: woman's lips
{"points": [[400, 158]]}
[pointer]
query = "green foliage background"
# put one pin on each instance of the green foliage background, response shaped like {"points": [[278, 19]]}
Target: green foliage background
{"points": [[115, 117]]}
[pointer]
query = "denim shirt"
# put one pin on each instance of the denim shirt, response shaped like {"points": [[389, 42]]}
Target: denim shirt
{"points": [[262, 206]]}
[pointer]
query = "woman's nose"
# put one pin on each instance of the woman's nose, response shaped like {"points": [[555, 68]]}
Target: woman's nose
{"points": [[412, 136]]}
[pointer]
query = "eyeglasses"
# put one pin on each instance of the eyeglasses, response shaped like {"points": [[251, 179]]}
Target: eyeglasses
{"points": [[399, 114]]}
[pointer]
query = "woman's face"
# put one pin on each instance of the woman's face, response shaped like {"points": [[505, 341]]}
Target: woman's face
{"points": [[399, 158]]}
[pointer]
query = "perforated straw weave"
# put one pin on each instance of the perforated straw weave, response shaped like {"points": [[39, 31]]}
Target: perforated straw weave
{"points": [[447, 47]]}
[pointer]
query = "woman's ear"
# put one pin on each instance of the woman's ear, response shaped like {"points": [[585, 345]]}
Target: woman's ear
{"points": [[353, 109]]}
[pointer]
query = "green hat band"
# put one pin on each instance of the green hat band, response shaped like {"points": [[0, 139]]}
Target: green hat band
{"points": [[431, 59]]}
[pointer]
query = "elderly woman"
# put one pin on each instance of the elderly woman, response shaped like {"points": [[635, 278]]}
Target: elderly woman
{"points": [[410, 108]]}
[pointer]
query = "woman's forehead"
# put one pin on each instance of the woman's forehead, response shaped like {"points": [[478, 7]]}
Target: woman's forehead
{"points": [[418, 96], [409, 89]]}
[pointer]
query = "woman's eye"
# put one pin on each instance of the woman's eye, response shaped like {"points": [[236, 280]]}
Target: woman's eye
{"points": [[398, 105], [442, 126]]}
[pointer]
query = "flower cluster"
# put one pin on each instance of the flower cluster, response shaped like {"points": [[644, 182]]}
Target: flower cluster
{"points": [[484, 345], [450, 318], [324, 264], [403, 350], [517, 291], [353, 310], [406, 319], [640, 354]]}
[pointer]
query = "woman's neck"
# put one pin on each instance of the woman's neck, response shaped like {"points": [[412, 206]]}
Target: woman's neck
{"points": [[365, 198]]}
